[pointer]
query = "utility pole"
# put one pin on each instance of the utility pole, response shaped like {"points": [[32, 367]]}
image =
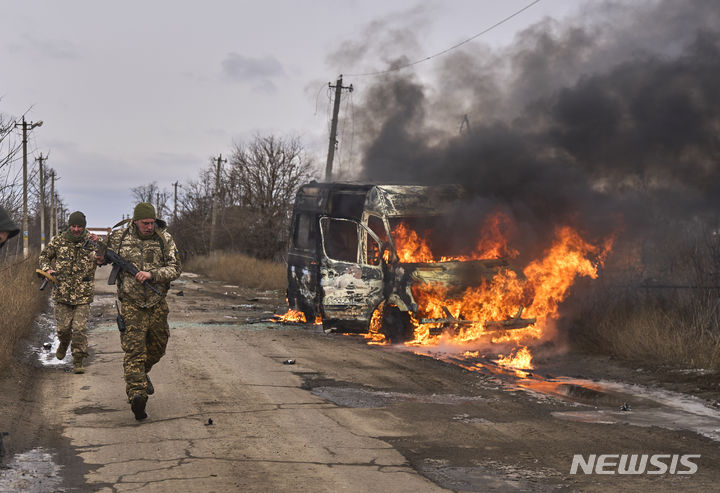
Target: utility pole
{"points": [[215, 201], [42, 200], [465, 124], [333, 126], [175, 185], [25, 129], [52, 204], [157, 204]]}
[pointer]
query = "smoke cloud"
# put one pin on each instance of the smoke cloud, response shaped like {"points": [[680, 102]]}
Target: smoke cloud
{"points": [[608, 121]]}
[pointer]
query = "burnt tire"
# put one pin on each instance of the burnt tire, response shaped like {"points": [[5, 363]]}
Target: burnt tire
{"points": [[396, 325], [309, 315]]}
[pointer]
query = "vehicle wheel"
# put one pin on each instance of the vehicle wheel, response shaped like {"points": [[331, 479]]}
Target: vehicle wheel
{"points": [[309, 313], [396, 325]]}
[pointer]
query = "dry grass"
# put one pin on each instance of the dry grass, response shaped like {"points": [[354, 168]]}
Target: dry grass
{"points": [[658, 328], [239, 269], [20, 303], [658, 304]]}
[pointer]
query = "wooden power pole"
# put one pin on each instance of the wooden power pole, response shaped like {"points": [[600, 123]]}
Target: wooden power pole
{"points": [[42, 199], [53, 226], [215, 202], [333, 125], [175, 185], [25, 125]]}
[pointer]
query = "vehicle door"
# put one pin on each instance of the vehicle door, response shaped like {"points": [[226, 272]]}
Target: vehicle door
{"points": [[351, 278], [303, 263]]}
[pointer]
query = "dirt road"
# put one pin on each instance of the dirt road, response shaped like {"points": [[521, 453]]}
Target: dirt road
{"points": [[245, 405]]}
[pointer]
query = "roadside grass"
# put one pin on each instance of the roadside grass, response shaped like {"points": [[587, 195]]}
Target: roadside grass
{"points": [[240, 269], [659, 308], [675, 329], [20, 303]]}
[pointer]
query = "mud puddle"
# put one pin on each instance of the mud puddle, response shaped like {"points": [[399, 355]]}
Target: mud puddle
{"points": [[651, 407], [599, 401], [45, 351], [486, 477], [34, 471]]}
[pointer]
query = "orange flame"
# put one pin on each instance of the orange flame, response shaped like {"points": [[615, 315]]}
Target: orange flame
{"points": [[537, 293], [493, 243], [295, 316], [410, 247], [374, 334], [518, 359]]}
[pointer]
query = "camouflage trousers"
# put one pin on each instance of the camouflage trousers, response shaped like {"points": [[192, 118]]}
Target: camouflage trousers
{"points": [[72, 327], [144, 341]]}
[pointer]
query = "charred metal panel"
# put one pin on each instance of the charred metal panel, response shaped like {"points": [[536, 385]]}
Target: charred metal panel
{"points": [[456, 274], [411, 200], [302, 282], [350, 291]]}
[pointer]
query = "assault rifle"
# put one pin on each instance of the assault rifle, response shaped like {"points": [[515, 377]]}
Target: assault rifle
{"points": [[119, 264], [46, 277]]}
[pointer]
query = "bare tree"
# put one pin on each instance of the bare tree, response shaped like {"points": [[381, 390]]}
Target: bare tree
{"points": [[10, 179], [192, 229], [262, 180], [265, 173], [151, 193], [255, 199]]}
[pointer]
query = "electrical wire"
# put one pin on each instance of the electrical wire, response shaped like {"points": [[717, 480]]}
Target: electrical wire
{"points": [[416, 62]]}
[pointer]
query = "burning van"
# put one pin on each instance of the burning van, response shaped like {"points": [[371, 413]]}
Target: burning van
{"points": [[358, 260]]}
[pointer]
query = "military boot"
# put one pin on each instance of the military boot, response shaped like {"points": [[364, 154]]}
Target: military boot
{"points": [[137, 405], [78, 365], [62, 350]]}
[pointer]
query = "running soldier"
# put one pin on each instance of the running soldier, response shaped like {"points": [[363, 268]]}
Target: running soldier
{"points": [[74, 259], [149, 247]]}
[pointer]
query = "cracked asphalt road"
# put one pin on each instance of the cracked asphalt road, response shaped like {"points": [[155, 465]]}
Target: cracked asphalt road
{"points": [[230, 415]]}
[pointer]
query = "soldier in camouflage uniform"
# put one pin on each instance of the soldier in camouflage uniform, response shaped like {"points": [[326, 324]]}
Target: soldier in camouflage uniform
{"points": [[74, 269], [147, 245], [8, 229]]}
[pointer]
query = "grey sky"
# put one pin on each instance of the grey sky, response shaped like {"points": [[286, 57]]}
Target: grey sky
{"points": [[134, 92]]}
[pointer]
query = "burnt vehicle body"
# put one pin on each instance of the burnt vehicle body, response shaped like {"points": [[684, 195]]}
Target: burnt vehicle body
{"points": [[343, 265]]}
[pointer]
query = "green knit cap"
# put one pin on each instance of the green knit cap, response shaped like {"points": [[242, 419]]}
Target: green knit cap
{"points": [[144, 210], [77, 218]]}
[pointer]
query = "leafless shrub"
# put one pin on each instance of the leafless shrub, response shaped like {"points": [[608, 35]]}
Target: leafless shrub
{"points": [[665, 312]]}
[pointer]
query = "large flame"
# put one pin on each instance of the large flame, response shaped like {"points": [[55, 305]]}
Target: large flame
{"points": [[536, 294]]}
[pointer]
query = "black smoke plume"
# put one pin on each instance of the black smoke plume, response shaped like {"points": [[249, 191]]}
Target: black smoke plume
{"points": [[608, 121]]}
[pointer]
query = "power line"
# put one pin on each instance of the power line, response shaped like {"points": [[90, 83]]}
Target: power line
{"points": [[499, 23]]}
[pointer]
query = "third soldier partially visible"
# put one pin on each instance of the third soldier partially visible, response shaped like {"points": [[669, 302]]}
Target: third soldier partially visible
{"points": [[74, 268], [8, 228], [150, 248]]}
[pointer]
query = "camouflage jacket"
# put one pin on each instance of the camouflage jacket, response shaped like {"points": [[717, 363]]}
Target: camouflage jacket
{"points": [[157, 255], [75, 269]]}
